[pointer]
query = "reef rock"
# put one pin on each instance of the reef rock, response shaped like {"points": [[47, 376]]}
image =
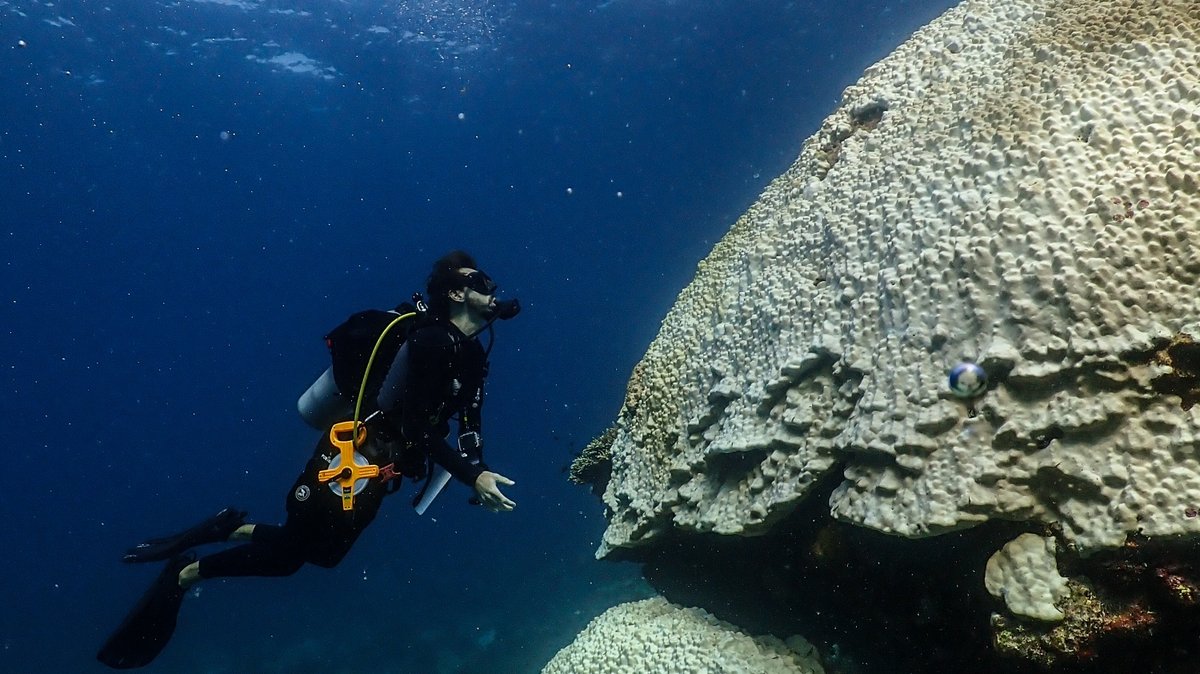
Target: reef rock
{"points": [[1016, 186]]}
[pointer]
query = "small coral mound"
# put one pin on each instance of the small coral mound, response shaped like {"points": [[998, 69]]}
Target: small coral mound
{"points": [[594, 463], [1024, 574], [656, 636]]}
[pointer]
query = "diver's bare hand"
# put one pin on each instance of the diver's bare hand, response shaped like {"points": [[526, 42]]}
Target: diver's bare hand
{"points": [[486, 487]]}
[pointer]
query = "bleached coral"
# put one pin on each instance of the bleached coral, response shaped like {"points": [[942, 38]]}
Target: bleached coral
{"points": [[1024, 573], [1016, 185], [654, 636]]}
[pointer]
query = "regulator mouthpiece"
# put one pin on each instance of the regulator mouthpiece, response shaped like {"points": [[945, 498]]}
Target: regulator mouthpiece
{"points": [[506, 309]]}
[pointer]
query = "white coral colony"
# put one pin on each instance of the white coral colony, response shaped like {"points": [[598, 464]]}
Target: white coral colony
{"points": [[1019, 182]]}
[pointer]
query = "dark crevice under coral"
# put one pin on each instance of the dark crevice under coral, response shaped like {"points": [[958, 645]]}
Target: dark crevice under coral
{"points": [[874, 603], [1182, 356]]}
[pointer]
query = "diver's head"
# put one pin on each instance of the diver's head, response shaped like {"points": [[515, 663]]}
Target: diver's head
{"points": [[459, 290], [475, 295], [446, 277]]}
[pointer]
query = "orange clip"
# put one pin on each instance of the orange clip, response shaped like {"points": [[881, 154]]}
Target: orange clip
{"points": [[349, 471]]}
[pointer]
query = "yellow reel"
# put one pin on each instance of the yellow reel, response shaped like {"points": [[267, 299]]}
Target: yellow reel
{"points": [[347, 471]]}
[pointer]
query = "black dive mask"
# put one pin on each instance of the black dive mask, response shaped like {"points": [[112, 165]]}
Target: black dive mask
{"points": [[484, 285], [480, 283]]}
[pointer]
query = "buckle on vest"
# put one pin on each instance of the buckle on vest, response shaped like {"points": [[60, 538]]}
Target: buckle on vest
{"points": [[388, 473]]}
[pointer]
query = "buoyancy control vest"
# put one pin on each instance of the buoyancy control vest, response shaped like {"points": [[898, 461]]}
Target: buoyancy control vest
{"points": [[352, 343], [352, 375]]}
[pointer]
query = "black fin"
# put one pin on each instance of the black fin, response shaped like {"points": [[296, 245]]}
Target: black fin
{"points": [[149, 626], [212, 530]]}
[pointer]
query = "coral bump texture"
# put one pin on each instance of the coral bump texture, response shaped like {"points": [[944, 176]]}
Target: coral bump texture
{"points": [[1016, 186]]}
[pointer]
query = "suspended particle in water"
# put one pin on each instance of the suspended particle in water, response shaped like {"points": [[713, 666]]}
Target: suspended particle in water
{"points": [[462, 116], [22, 44], [225, 135], [570, 190]]}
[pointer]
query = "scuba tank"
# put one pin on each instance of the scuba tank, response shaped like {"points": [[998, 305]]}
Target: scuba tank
{"points": [[370, 337], [323, 403]]}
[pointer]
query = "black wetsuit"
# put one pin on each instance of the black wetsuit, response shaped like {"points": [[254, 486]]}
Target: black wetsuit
{"points": [[443, 373]]}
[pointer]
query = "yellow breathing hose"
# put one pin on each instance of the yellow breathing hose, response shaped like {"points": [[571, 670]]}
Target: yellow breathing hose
{"points": [[362, 388]]}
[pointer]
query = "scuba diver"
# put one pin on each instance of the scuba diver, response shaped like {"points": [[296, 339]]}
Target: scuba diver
{"points": [[382, 423]]}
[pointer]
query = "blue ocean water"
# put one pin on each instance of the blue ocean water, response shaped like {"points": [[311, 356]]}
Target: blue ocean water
{"points": [[193, 193]]}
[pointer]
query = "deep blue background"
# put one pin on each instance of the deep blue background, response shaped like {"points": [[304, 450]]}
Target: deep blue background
{"points": [[165, 289]]}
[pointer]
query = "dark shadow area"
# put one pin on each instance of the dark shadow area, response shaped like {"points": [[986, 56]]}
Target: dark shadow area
{"points": [[874, 603]]}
